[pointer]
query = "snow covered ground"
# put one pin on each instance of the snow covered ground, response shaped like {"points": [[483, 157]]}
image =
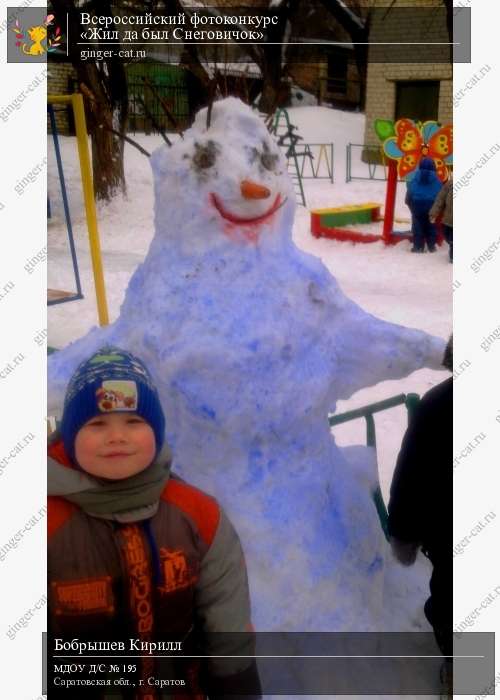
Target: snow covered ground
{"points": [[414, 290]]}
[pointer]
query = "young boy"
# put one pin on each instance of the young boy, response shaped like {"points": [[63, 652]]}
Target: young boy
{"points": [[134, 552]]}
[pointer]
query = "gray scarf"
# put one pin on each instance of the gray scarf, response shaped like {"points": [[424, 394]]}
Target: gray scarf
{"points": [[124, 500]]}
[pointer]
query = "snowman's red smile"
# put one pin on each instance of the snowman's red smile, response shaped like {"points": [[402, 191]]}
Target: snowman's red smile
{"points": [[236, 219]]}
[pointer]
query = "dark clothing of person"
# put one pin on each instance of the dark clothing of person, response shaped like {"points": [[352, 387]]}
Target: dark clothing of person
{"points": [[443, 207], [443, 204], [421, 501], [420, 196], [424, 232], [448, 234]]}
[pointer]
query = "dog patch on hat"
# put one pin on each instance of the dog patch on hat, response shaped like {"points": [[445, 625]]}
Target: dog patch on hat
{"points": [[117, 395]]}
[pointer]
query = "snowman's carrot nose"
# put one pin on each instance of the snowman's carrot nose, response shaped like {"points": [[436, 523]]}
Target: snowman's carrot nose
{"points": [[252, 190]]}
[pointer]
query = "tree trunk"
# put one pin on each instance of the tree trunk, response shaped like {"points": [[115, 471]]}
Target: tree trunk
{"points": [[449, 24], [361, 59], [105, 112], [198, 80], [274, 92], [107, 161], [359, 31], [107, 148], [104, 86]]}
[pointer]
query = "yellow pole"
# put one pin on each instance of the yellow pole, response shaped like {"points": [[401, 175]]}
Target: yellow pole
{"points": [[88, 196], [59, 99]]}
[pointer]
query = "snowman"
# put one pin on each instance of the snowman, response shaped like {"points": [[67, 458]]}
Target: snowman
{"points": [[251, 343]]}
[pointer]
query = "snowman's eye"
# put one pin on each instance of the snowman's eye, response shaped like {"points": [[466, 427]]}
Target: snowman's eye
{"points": [[268, 160], [253, 154], [205, 155]]}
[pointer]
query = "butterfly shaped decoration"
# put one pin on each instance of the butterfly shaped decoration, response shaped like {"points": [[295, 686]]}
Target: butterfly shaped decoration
{"points": [[407, 142]]}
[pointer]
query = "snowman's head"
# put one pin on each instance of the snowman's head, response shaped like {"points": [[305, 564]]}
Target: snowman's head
{"points": [[226, 183]]}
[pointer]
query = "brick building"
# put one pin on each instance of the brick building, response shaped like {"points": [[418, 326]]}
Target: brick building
{"points": [[61, 79], [322, 61], [331, 76], [421, 89]]}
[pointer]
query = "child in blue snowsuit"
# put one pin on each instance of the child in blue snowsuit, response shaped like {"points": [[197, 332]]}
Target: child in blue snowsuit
{"points": [[420, 195]]}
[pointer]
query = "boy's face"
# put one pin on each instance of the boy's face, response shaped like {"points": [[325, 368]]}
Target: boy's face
{"points": [[115, 445]]}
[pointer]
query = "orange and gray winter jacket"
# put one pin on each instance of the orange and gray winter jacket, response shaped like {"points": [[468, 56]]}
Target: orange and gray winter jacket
{"points": [[167, 566]]}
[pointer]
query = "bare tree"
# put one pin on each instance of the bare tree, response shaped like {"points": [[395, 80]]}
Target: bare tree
{"points": [[449, 24], [352, 15], [271, 59], [268, 55], [356, 22], [104, 86]]}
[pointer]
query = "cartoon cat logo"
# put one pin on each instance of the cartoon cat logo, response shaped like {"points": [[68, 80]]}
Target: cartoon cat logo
{"points": [[37, 35]]}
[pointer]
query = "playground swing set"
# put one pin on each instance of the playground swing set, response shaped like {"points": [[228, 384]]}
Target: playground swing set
{"points": [[75, 101], [59, 296], [360, 212], [403, 144]]}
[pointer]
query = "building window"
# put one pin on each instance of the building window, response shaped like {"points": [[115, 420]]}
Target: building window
{"points": [[417, 100], [337, 73]]}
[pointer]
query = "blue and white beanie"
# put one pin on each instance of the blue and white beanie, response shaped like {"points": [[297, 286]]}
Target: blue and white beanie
{"points": [[112, 380]]}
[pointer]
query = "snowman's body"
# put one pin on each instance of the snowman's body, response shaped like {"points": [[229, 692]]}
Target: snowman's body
{"points": [[252, 342]]}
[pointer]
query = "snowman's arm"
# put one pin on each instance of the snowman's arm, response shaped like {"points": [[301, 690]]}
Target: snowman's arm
{"points": [[370, 350], [62, 364]]}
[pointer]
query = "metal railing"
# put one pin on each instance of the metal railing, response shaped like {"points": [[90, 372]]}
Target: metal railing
{"points": [[316, 161], [175, 96], [367, 412], [374, 168]]}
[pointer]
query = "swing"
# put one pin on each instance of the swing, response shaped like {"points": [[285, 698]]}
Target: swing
{"points": [[75, 101], [57, 296]]}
